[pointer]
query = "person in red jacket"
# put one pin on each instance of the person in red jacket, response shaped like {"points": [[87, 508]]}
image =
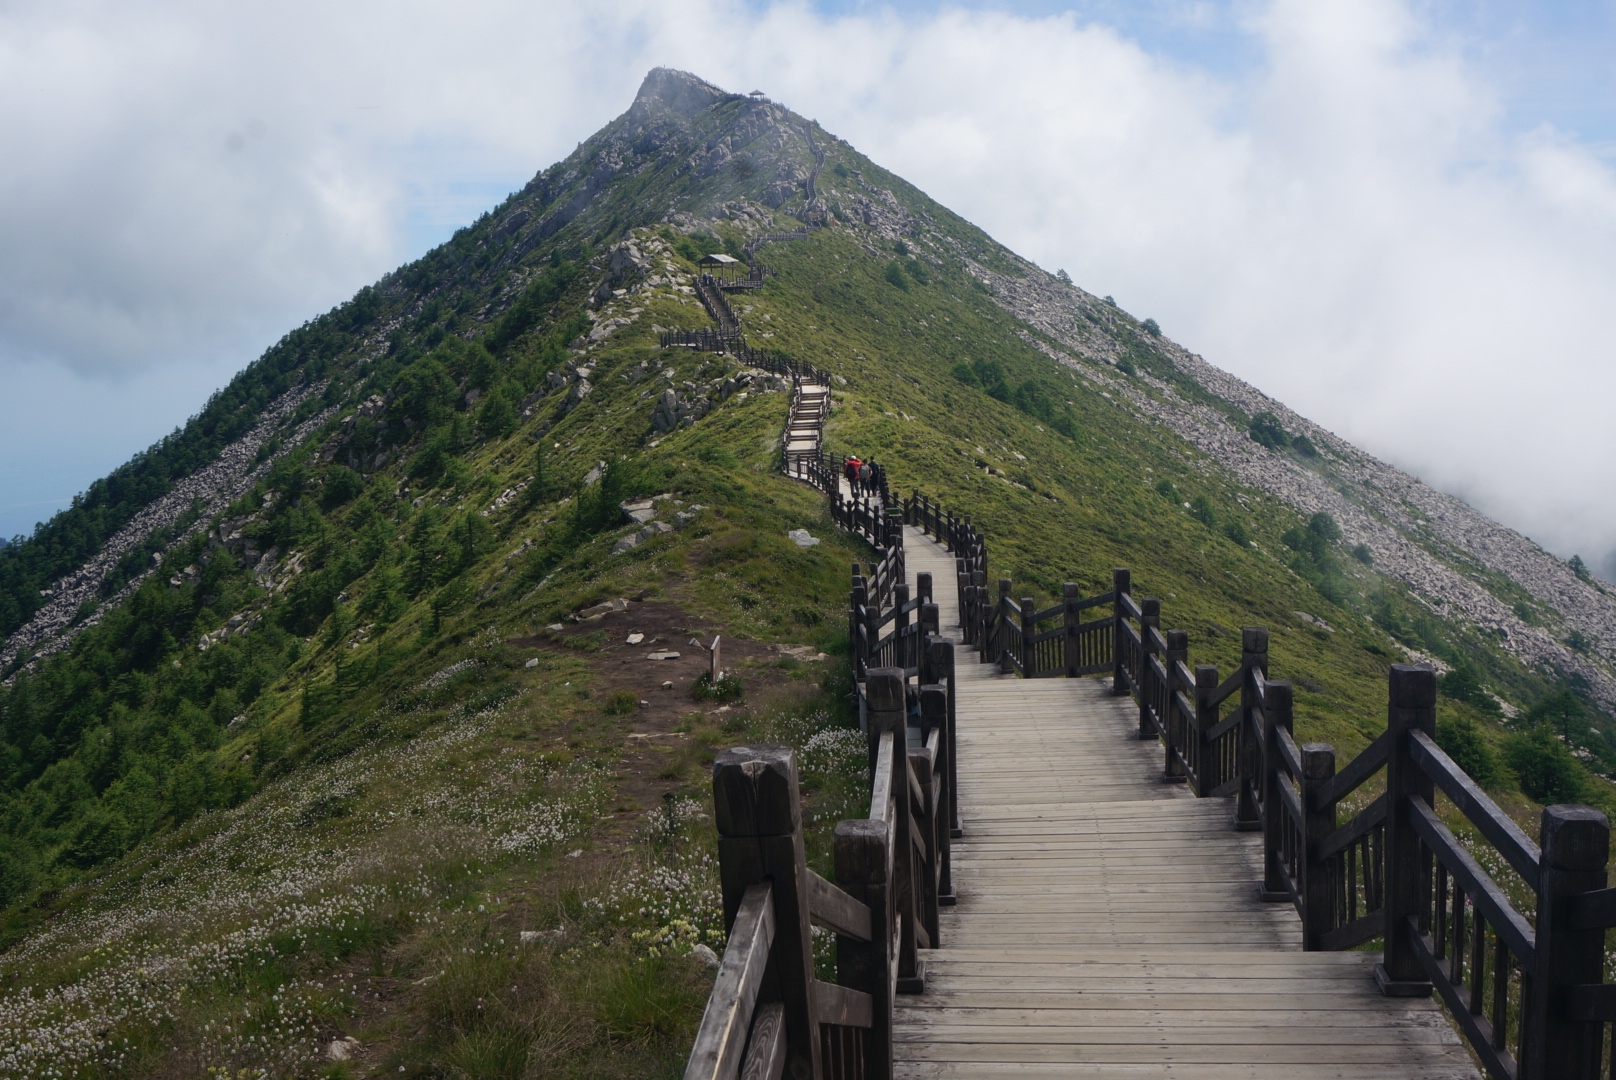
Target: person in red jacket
{"points": [[852, 472]]}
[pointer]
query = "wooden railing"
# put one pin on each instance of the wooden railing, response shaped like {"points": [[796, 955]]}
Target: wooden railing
{"points": [[768, 1015], [1525, 987], [754, 279], [757, 242], [703, 340]]}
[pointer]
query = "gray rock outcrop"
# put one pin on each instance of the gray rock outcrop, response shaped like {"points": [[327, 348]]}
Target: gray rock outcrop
{"points": [[212, 488]]}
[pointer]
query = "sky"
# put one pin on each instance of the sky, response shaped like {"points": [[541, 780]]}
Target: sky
{"points": [[1397, 217]]}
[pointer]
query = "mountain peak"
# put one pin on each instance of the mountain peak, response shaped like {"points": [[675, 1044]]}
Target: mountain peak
{"points": [[680, 92]]}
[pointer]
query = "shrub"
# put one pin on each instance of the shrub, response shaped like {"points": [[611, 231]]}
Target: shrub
{"points": [[727, 688], [1544, 766], [1461, 684], [1578, 567], [901, 248], [917, 270], [894, 275], [1167, 490], [1461, 741], [1202, 510], [841, 170], [1065, 278], [1304, 446], [1267, 431], [341, 484], [1577, 641], [1235, 531], [1149, 326], [1323, 526], [1364, 555], [622, 703], [1560, 711], [1125, 366]]}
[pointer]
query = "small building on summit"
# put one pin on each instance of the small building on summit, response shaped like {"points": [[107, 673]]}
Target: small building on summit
{"points": [[718, 261]]}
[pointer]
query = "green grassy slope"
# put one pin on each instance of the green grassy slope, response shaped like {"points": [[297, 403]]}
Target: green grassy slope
{"points": [[321, 773]]}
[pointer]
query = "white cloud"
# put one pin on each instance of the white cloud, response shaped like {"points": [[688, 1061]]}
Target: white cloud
{"points": [[1350, 225]]}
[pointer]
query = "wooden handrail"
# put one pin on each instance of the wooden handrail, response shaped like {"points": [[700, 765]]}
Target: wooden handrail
{"points": [[727, 1021], [1482, 890], [833, 909], [1359, 770], [1517, 849]]}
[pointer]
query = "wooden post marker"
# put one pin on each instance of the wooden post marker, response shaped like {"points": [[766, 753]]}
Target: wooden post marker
{"points": [[1576, 847], [1070, 616], [1253, 659], [1120, 584], [1411, 706], [1318, 878], [1277, 706], [1148, 691], [1177, 725]]}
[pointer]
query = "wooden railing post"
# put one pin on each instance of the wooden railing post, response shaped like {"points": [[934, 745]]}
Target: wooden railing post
{"points": [[926, 862], [1001, 618], [1576, 848], [930, 617], [887, 692], [1318, 876], [858, 620], [1148, 690], [900, 625], [962, 589], [1253, 657], [984, 620], [1277, 708], [759, 819], [863, 854], [942, 651], [923, 587], [1411, 706], [1175, 725], [1029, 628], [1206, 718], [1120, 584], [934, 717], [1070, 617]]}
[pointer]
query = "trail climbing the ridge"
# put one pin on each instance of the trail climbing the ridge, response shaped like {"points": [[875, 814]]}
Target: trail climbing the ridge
{"points": [[1108, 923]]}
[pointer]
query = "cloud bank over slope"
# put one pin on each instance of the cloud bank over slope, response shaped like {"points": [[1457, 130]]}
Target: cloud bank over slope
{"points": [[1351, 226]]}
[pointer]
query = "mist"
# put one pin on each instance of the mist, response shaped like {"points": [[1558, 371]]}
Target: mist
{"points": [[1356, 221]]}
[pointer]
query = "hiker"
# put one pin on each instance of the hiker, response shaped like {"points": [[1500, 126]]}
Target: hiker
{"points": [[864, 475], [851, 472]]}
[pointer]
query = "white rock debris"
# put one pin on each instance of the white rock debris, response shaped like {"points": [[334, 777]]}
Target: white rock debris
{"points": [[214, 487]]}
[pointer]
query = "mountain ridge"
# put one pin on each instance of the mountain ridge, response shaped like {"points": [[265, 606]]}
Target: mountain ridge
{"points": [[417, 715]]}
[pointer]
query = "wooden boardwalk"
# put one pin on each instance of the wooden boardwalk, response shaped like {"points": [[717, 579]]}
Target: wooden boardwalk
{"points": [[1108, 923]]}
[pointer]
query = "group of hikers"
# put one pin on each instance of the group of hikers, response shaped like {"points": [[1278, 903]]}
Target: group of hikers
{"points": [[863, 476]]}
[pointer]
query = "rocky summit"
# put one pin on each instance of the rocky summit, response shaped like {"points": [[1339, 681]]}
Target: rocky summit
{"points": [[364, 725]]}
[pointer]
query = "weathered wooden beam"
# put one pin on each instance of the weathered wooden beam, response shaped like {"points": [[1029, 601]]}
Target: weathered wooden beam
{"points": [[1411, 706], [758, 815], [721, 1038]]}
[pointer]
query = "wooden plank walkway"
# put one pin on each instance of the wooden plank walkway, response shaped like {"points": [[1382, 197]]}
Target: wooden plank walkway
{"points": [[1108, 923]]}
